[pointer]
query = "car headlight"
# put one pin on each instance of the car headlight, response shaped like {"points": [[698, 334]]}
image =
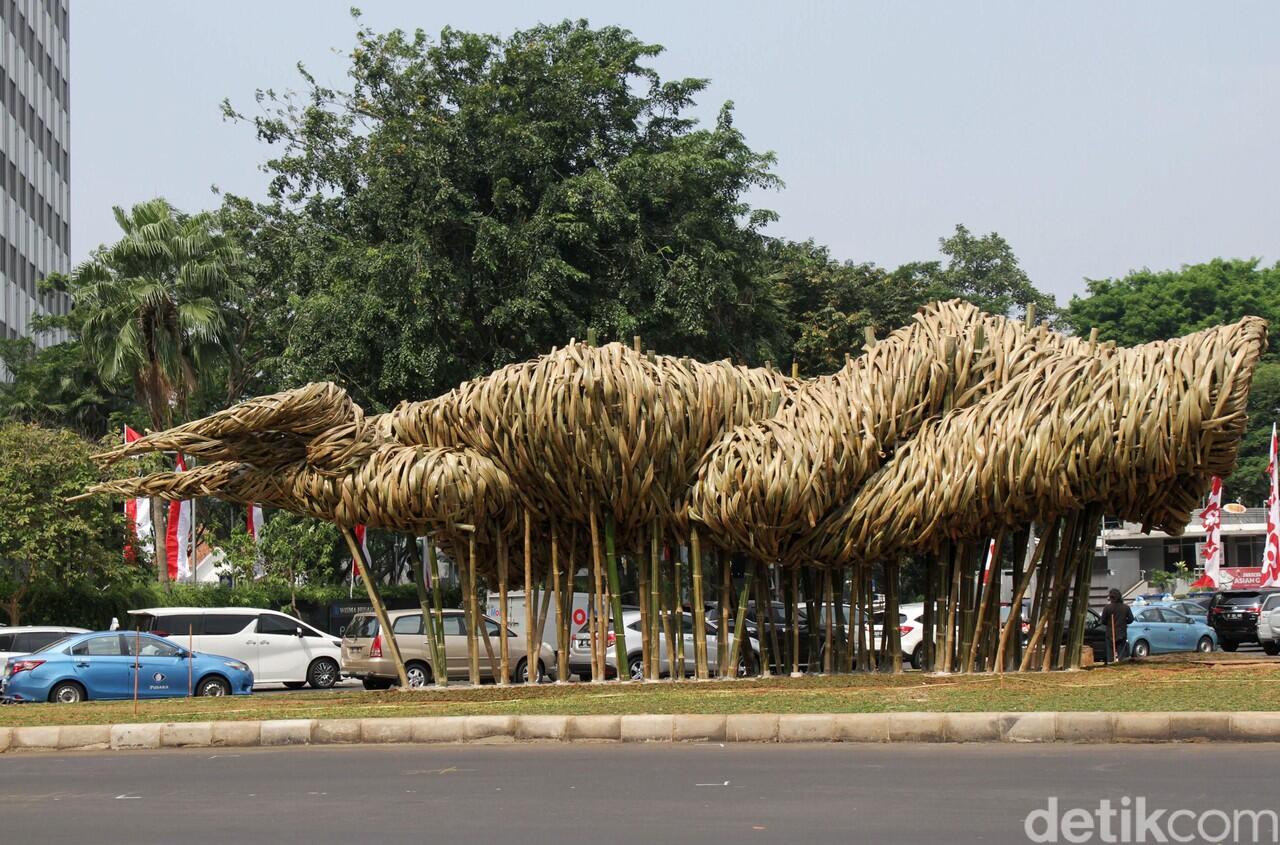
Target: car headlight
{"points": [[237, 665]]}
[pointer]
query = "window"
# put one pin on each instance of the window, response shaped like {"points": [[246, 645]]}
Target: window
{"points": [[104, 646], [362, 627], [179, 624], [491, 627], [1151, 615], [151, 647], [6, 642], [453, 626], [1171, 615], [410, 624], [36, 640], [221, 624], [271, 623], [1273, 601]]}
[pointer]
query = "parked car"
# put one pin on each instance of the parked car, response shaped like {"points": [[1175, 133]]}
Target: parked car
{"points": [[1234, 616], [365, 658], [1159, 630], [777, 621], [108, 664], [580, 650], [278, 648], [1195, 610], [24, 639], [1268, 624]]}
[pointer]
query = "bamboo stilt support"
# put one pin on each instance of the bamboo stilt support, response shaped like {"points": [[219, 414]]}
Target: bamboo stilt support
{"points": [[892, 621], [989, 582], [725, 613], [828, 653], [533, 634], [473, 647], [379, 609], [595, 613], [678, 618], [699, 615], [504, 613], [960, 554], [654, 666], [428, 621], [739, 626], [562, 639], [620, 656], [763, 619]]}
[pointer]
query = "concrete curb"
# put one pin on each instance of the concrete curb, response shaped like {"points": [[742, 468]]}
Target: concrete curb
{"points": [[663, 728]]}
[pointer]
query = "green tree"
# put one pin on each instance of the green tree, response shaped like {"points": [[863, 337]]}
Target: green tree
{"points": [[46, 541], [472, 201], [294, 551], [57, 386], [151, 310], [1148, 305]]}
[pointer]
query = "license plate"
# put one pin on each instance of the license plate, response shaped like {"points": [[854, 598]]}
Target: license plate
{"points": [[1235, 615], [582, 642]]}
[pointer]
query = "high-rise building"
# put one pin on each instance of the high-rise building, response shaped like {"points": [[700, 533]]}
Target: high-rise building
{"points": [[35, 162]]}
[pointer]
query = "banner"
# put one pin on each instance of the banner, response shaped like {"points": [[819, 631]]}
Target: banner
{"points": [[137, 517], [1211, 521], [178, 535], [1271, 553]]}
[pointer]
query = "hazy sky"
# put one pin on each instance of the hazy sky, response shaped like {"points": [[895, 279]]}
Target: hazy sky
{"points": [[1096, 137]]}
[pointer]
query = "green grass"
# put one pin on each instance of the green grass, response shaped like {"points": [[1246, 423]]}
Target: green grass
{"points": [[1174, 684]]}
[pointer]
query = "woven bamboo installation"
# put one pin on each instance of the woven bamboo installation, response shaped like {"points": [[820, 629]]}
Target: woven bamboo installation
{"points": [[959, 428]]}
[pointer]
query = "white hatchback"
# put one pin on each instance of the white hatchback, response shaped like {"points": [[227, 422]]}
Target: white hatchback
{"points": [[24, 639], [278, 648]]}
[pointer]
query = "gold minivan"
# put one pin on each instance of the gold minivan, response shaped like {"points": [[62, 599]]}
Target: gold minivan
{"points": [[364, 658]]}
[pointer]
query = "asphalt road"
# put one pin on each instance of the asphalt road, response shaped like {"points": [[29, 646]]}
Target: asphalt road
{"points": [[550, 793]]}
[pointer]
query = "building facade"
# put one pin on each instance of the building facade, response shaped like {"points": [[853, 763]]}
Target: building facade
{"points": [[35, 162]]}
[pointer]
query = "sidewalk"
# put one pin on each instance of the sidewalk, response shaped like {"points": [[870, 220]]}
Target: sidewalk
{"points": [[759, 728]]}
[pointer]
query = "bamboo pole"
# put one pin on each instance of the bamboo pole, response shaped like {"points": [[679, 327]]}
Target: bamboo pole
{"points": [[595, 611], [428, 622], [615, 592], [440, 655], [1080, 601], [654, 667], [929, 620], [989, 582], [1058, 601], [562, 638], [533, 633], [504, 612], [828, 653], [739, 625], [473, 647], [379, 609], [1044, 599], [763, 618], [678, 618], [699, 614], [794, 607], [892, 624], [848, 579], [813, 629], [959, 555], [646, 614], [726, 610]]}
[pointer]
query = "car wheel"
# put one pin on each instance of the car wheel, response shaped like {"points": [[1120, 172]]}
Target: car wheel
{"points": [[67, 692], [323, 673], [1141, 649], [376, 684], [213, 686], [635, 666], [418, 673], [1205, 644], [1227, 645], [917, 657], [1271, 647], [295, 684], [521, 675]]}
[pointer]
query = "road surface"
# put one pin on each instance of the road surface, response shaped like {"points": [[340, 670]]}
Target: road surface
{"points": [[548, 793]]}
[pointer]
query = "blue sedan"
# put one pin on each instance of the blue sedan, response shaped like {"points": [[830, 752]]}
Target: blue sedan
{"points": [[1157, 630], [107, 664]]}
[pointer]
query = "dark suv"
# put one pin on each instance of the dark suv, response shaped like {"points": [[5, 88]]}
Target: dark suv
{"points": [[1233, 614]]}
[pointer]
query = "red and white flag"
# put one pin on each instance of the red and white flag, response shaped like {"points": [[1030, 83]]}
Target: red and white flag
{"points": [[178, 531], [991, 556], [1271, 554], [137, 516], [1211, 521], [364, 550], [253, 521]]}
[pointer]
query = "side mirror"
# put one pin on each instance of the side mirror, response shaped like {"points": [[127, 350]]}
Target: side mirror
{"points": [[298, 630]]}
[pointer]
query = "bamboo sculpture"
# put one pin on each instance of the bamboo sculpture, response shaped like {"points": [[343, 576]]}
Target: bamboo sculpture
{"points": [[955, 429]]}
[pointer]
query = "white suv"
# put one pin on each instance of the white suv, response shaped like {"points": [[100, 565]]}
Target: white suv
{"points": [[1269, 624], [278, 648]]}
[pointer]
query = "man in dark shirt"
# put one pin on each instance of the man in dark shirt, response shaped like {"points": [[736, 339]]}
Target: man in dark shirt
{"points": [[1116, 617]]}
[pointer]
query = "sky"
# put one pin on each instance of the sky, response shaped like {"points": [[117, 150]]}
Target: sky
{"points": [[1096, 137]]}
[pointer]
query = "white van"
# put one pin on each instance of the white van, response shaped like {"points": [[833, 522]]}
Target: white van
{"points": [[278, 648]]}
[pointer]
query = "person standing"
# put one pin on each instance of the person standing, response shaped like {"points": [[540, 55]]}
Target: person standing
{"points": [[1116, 618]]}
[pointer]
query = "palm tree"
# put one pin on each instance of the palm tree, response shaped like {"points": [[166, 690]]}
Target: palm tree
{"points": [[153, 310]]}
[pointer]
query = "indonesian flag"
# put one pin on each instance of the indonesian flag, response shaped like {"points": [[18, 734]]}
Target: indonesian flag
{"points": [[991, 556], [137, 516], [1211, 521], [253, 521], [178, 542], [1271, 557]]}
